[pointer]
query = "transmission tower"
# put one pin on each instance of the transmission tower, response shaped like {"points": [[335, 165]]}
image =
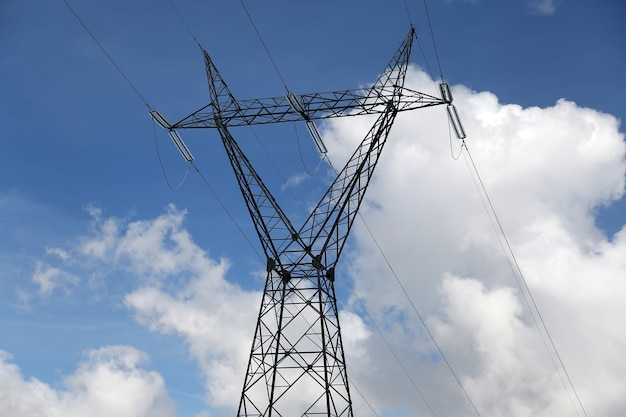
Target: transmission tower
{"points": [[297, 365]]}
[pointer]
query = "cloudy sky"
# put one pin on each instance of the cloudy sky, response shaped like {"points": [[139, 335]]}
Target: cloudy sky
{"points": [[121, 294]]}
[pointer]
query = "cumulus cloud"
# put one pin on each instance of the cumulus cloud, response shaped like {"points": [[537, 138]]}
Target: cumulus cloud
{"points": [[543, 7], [546, 171], [182, 292], [214, 317], [108, 382], [49, 278]]}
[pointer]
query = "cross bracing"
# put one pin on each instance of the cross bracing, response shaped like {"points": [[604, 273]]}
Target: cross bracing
{"points": [[297, 364]]}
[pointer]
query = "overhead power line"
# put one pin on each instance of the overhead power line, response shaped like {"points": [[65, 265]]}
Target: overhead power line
{"points": [[117, 67]]}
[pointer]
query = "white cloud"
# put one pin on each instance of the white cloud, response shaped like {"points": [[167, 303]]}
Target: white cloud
{"points": [[48, 278], [62, 254], [543, 7], [294, 181], [546, 170], [108, 382], [183, 293]]}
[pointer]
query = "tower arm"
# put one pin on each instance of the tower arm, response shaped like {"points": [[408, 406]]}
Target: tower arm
{"points": [[315, 106], [308, 107]]}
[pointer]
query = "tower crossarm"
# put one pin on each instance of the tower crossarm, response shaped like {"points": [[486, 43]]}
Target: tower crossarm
{"points": [[315, 106], [308, 107]]}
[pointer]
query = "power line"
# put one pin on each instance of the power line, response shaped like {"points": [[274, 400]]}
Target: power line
{"points": [[517, 272], [267, 51], [432, 35], [221, 203], [132, 86], [117, 67], [382, 335], [156, 145], [501, 229], [423, 322], [389, 346], [184, 23], [491, 211]]}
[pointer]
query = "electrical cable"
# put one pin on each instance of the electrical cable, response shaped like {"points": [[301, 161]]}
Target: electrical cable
{"points": [[517, 281], [362, 397], [421, 319], [432, 35], [192, 164], [295, 128], [264, 45], [184, 23], [491, 211], [106, 54], [406, 9], [419, 44], [520, 278], [450, 140], [382, 335], [388, 344], [221, 203], [156, 145], [501, 230]]}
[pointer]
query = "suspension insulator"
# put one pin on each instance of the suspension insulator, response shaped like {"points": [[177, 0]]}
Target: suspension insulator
{"points": [[180, 145], [446, 94], [158, 117], [456, 122]]}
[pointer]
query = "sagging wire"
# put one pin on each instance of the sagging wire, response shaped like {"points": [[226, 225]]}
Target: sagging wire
{"points": [[521, 282], [422, 321], [457, 156], [432, 36], [167, 181], [319, 164], [455, 123], [117, 67], [267, 51], [292, 98], [157, 117], [382, 335], [418, 39], [186, 154], [185, 23], [380, 332]]}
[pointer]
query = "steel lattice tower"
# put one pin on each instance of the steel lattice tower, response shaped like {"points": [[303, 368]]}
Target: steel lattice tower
{"points": [[297, 365]]}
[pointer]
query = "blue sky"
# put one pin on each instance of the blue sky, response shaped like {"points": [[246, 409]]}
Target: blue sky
{"points": [[111, 279]]}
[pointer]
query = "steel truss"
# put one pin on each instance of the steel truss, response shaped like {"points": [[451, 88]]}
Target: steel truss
{"points": [[297, 365]]}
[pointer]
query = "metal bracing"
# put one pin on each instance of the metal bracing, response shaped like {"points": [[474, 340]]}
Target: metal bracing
{"points": [[297, 365], [314, 106], [318, 106]]}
